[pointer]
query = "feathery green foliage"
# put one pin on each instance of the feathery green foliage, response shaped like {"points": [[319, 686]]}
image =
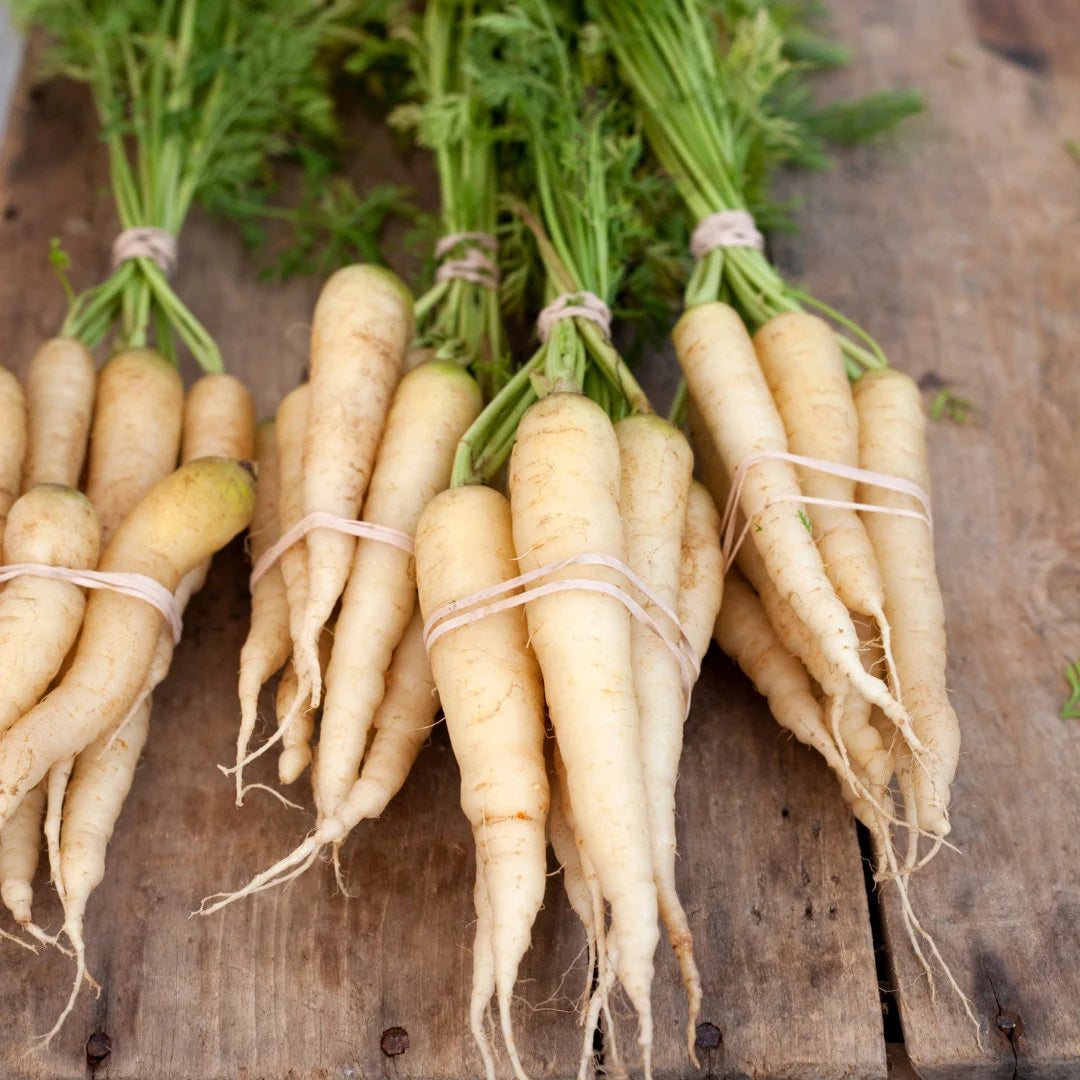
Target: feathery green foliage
{"points": [[194, 97], [576, 179], [724, 103], [460, 319]]}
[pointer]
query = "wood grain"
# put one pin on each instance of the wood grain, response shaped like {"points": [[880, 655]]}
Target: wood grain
{"points": [[956, 243]]}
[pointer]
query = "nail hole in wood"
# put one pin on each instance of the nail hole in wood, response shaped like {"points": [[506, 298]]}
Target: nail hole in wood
{"points": [[394, 1041], [1008, 1024], [708, 1036], [98, 1047]]}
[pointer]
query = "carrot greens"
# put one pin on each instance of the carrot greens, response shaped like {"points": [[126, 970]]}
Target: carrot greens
{"points": [[194, 96], [723, 102], [574, 177]]}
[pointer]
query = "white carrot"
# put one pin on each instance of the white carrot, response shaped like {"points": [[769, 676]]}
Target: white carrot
{"points": [[292, 419], [135, 437], [40, 617], [219, 421], [489, 684], [96, 792], [291, 423], [12, 442], [701, 572], [60, 385], [863, 780], [656, 465], [56, 783], [432, 408], [892, 440], [185, 518], [361, 329], [268, 641], [726, 382], [802, 363], [20, 848], [564, 485]]}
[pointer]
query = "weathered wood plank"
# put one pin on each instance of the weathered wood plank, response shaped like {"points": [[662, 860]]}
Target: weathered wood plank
{"points": [[957, 247], [299, 982]]}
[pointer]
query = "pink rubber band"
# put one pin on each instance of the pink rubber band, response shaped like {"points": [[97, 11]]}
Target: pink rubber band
{"points": [[588, 306], [320, 519], [136, 586], [731, 544], [728, 228], [447, 618]]}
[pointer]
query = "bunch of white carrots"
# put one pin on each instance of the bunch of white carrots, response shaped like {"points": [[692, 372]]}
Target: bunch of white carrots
{"points": [[575, 612], [836, 615], [352, 459], [367, 462], [77, 668]]}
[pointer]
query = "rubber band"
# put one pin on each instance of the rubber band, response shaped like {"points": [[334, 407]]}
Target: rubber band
{"points": [[137, 586], [146, 242], [447, 618], [474, 266], [725, 229], [730, 545], [449, 241], [574, 305], [321, 519]]}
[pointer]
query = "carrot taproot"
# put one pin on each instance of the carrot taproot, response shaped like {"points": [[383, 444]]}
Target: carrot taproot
{"points": [[20, 849], [802, 363], [290, 426], [362, 326], [135, 436], [295, 753], [268, 643], [489, 685], [12, 442], [656, 471], [40, 617], [701, 571], [60, 385], [432, 408], [96, 792], [892, 440], [564, 490]]}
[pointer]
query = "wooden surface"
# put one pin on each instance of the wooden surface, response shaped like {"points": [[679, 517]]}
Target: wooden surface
{"points": [[956, 243]]}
